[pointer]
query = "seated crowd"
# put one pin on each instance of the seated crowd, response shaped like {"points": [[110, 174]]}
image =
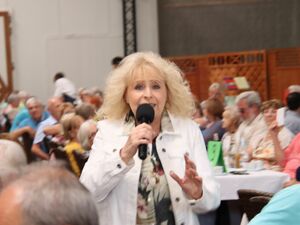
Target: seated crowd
{"points": [[252, 130], [42, 131], [249, 130]]}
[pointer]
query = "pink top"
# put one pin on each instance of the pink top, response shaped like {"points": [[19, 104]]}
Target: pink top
{"points": [[292, 157]]}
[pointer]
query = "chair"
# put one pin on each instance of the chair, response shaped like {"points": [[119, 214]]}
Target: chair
{"points": [[27, 141], [46, 143], [259, 201], [60, 154], [250, 203], [80, 159]]}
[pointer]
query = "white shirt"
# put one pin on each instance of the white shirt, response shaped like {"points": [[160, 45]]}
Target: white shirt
{"points": [[114, 184], [64, 86], [248, 132]]}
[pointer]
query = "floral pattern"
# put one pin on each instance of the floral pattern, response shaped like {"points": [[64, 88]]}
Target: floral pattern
{"points": [[154, 203]]}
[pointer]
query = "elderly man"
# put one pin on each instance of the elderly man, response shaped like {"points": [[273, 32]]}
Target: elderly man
{"points": [[55, 109], [48, 195], [253, 125], [30, 124]]}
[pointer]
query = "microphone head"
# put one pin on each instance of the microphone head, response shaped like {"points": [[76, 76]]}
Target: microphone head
{"points": [[145, 113]]}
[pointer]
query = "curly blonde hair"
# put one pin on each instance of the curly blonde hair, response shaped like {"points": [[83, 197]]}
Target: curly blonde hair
{"points": [[179, 97]]}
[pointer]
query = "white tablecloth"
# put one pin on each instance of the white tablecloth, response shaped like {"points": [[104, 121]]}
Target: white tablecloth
{"points": [[265, 180]]}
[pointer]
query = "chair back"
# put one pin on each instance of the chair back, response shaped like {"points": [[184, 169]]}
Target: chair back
{"points": [[250, 203], [259, 202], [80, 159], [61, 154], [27, 142]]}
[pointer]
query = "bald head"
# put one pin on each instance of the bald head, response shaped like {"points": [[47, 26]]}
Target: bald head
{"points": [[55, 107]]}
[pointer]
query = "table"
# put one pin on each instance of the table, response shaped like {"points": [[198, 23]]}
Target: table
{"points": [[264, 180]]}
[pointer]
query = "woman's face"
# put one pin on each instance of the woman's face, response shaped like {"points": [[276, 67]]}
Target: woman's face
{"points": [[270, 115], [227, 120], [147, 87]]}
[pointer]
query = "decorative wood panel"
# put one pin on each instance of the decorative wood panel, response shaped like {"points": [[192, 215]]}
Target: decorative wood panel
{"points": [[194, 72], [250, 64], [283, 70], [201, 71]]}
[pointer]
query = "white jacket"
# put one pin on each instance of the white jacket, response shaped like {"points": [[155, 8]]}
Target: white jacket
{"points": [[115, 184]]}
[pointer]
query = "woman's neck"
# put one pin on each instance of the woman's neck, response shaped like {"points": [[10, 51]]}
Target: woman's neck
{"points": [[156, 126]]}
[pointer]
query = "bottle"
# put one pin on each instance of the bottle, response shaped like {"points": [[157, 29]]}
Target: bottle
{"points": [[237, 158]]}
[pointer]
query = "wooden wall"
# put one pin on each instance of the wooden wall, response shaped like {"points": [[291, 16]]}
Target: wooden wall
{"points": [[283, 70], [268, 72], [6, 80]]}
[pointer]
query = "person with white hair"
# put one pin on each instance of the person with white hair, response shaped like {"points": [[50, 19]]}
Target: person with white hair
{"points": [[231, 121], [47, 194], [12, 157], [36, 115], [86, 134], [253, 125], [216, 90]]}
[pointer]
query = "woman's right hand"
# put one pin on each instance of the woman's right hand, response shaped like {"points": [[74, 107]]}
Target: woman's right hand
{"points": [[141, 134]]}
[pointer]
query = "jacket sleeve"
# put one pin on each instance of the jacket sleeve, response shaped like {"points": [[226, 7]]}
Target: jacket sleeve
{"points": [[211, 188], [104, 169]]}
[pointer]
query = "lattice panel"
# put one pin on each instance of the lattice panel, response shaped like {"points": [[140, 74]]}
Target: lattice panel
{"points": [[187, 65], [251, 65]]}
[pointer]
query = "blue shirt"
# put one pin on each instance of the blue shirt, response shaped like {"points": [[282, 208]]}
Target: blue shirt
{"points": [[31, 122], [22, 115], [284, 208], [40, 135]]}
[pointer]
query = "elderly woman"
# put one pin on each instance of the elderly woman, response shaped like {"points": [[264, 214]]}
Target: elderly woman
{"points": [[270, 146], [175, 180], [231, 121], [86, 134]]}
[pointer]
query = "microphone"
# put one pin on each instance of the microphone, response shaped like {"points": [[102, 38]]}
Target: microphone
{"points": [[144, 114]]}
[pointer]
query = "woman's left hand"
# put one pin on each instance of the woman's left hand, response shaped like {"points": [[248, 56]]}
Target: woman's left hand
{"points": [[191, 183]]}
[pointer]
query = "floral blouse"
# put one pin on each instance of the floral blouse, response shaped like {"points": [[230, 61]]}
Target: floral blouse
{"points": [[154, 204]]}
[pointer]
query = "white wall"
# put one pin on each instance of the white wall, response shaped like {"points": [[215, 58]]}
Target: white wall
{"points": [[77, 37]]}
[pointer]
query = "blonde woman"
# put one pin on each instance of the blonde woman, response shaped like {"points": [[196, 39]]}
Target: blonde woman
{"points": [[71, 125], [175, 181]]}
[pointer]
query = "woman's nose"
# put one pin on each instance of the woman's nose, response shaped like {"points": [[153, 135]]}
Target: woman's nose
{"points": [[147, 92]]}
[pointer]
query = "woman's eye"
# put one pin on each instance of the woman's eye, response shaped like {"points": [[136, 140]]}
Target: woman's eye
{"points": [[156, 86], [138, 87]]}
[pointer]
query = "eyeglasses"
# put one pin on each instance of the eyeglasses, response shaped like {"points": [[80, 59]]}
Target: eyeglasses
{"points": [[242, 111]]}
